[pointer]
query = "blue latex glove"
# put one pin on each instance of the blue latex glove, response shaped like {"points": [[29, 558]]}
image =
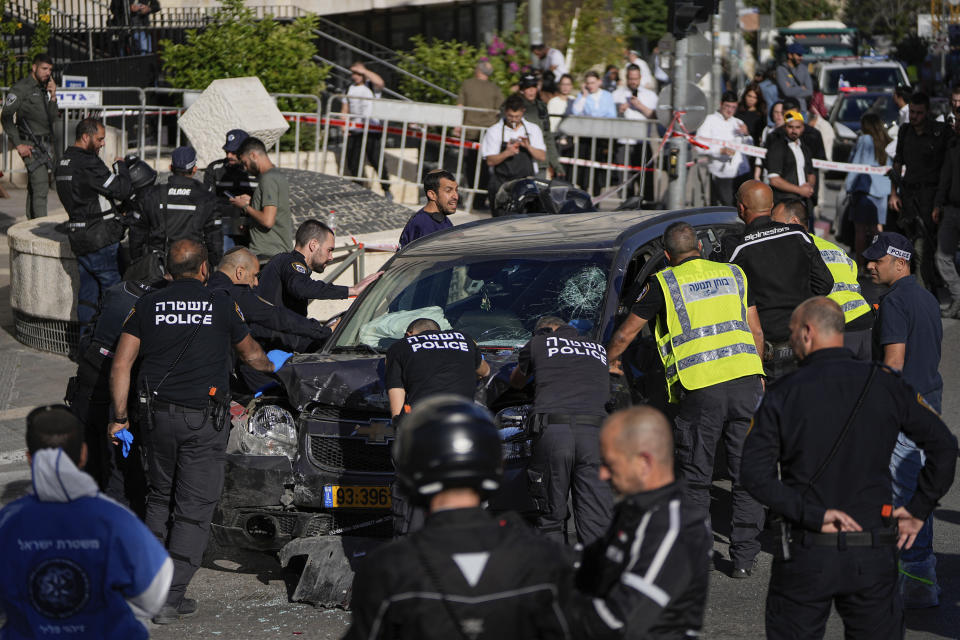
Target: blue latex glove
{"points": [[278, 358], [126, 439]]}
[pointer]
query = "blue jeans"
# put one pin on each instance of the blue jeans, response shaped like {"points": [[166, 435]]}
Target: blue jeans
{"points": [[905, 465], [98, 272]]}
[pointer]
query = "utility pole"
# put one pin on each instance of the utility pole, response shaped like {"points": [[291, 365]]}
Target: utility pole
{"points": [[536, 21], [676, 189]]}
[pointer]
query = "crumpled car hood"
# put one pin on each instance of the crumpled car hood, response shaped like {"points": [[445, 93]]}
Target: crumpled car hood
{"points": [[357, 381]]}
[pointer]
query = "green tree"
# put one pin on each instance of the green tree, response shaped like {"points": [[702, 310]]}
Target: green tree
{"points": [[600, 38], [790, 11], [896, 18], [237, 44], [453, 61], [644, 18]]}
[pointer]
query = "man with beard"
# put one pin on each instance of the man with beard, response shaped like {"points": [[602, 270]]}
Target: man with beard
{"points": [[789, 163], [34, 102], [271, 224], [227, 178], [440, 188], [88, 191], [285, 281]]}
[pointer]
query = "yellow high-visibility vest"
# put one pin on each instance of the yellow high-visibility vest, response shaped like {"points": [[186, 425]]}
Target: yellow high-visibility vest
{"points": [[846, 289], [706, 339]]}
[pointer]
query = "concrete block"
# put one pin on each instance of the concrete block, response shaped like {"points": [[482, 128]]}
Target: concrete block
{"points": [[43, 270], [231, 103]]}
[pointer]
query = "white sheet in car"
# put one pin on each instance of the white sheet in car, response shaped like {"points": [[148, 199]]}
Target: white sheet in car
{"points": [[393, 325]]}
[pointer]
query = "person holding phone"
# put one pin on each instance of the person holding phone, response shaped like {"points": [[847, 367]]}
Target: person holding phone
{"points": [[30, 119], [134, 13]]}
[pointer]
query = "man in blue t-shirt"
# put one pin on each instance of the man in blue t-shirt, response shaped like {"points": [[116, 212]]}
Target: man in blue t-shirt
{"points": [[442, 198], [76, 563], [907, 337]]}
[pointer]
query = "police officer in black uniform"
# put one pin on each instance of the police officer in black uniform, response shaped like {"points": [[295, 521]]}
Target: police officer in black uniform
{"points": [[182, 335], [922, 146], [424, 363], [89, 191], [465, 574], [783, 267], [648, 576], [88, 395], [572, 382], [181, 208], [834, 489], [285, 281], [227, 177], [272, 327]]}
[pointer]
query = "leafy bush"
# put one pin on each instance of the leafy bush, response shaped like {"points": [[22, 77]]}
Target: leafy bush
{"points": [[236, 44]]}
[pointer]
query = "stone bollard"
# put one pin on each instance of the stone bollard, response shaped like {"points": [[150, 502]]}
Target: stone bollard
{"points": [[43, 283]]}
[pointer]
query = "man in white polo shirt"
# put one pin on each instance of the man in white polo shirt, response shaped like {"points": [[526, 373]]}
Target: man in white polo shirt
{"points": [[728, 168]]}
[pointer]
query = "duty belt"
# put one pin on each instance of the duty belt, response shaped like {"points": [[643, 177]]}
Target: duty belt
{"points": [[777, 351], [844, 539], [591, 420], [170, 407]]}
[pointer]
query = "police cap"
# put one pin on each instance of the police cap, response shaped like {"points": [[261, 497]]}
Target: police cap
{"points": [[235, 138], [890, 243], [448, 442]]}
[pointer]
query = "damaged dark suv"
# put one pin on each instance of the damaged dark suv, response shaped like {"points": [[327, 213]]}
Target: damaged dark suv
{"points": [[314, 459]]}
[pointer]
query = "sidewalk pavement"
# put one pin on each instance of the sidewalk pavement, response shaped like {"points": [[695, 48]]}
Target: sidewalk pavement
{"points": [[28, 378]]}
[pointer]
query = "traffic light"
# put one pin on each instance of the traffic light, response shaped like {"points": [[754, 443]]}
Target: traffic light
{"points": [[683, 14]]}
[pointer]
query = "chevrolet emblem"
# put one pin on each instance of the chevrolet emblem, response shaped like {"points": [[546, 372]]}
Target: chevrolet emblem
{"points": [[378, 431]]}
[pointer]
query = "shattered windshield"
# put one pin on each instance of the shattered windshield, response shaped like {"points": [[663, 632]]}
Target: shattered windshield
{"points": [[495, 300]]}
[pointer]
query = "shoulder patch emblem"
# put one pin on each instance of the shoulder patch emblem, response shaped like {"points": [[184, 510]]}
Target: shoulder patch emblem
{"points": [[239, 313], [11, 98], [299, 266], [644, 292]]}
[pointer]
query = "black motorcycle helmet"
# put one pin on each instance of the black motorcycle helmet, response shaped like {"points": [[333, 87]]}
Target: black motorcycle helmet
{"points": [[521, 195], [141, 174], [448, 442]]}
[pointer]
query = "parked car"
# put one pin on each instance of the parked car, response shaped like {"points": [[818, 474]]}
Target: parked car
{"points": [[873, 74], [847, 111], [313, 461]]}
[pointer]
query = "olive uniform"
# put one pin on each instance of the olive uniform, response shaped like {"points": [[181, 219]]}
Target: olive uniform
{"points": [[285, 282], [712, 368], [181, 208], [88, 191], [834, 453], [572, 381], [186, 332], [33, 107]]}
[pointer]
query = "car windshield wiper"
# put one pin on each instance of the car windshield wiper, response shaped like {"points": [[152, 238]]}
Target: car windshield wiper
{"points": [[360, 347]]}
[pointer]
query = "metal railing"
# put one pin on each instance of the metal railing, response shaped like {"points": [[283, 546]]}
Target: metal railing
{"points": [[399, 140]]}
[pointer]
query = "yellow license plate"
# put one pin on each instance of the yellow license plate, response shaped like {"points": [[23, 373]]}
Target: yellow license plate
{"points": [[356, 497]]}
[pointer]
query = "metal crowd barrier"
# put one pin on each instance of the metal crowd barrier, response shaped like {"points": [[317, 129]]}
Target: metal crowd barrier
{"points": [[608, 157], [406, 139]]}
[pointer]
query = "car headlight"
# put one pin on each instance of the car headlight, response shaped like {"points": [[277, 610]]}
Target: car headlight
{"points": [[271, 431], [514, 434]]}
